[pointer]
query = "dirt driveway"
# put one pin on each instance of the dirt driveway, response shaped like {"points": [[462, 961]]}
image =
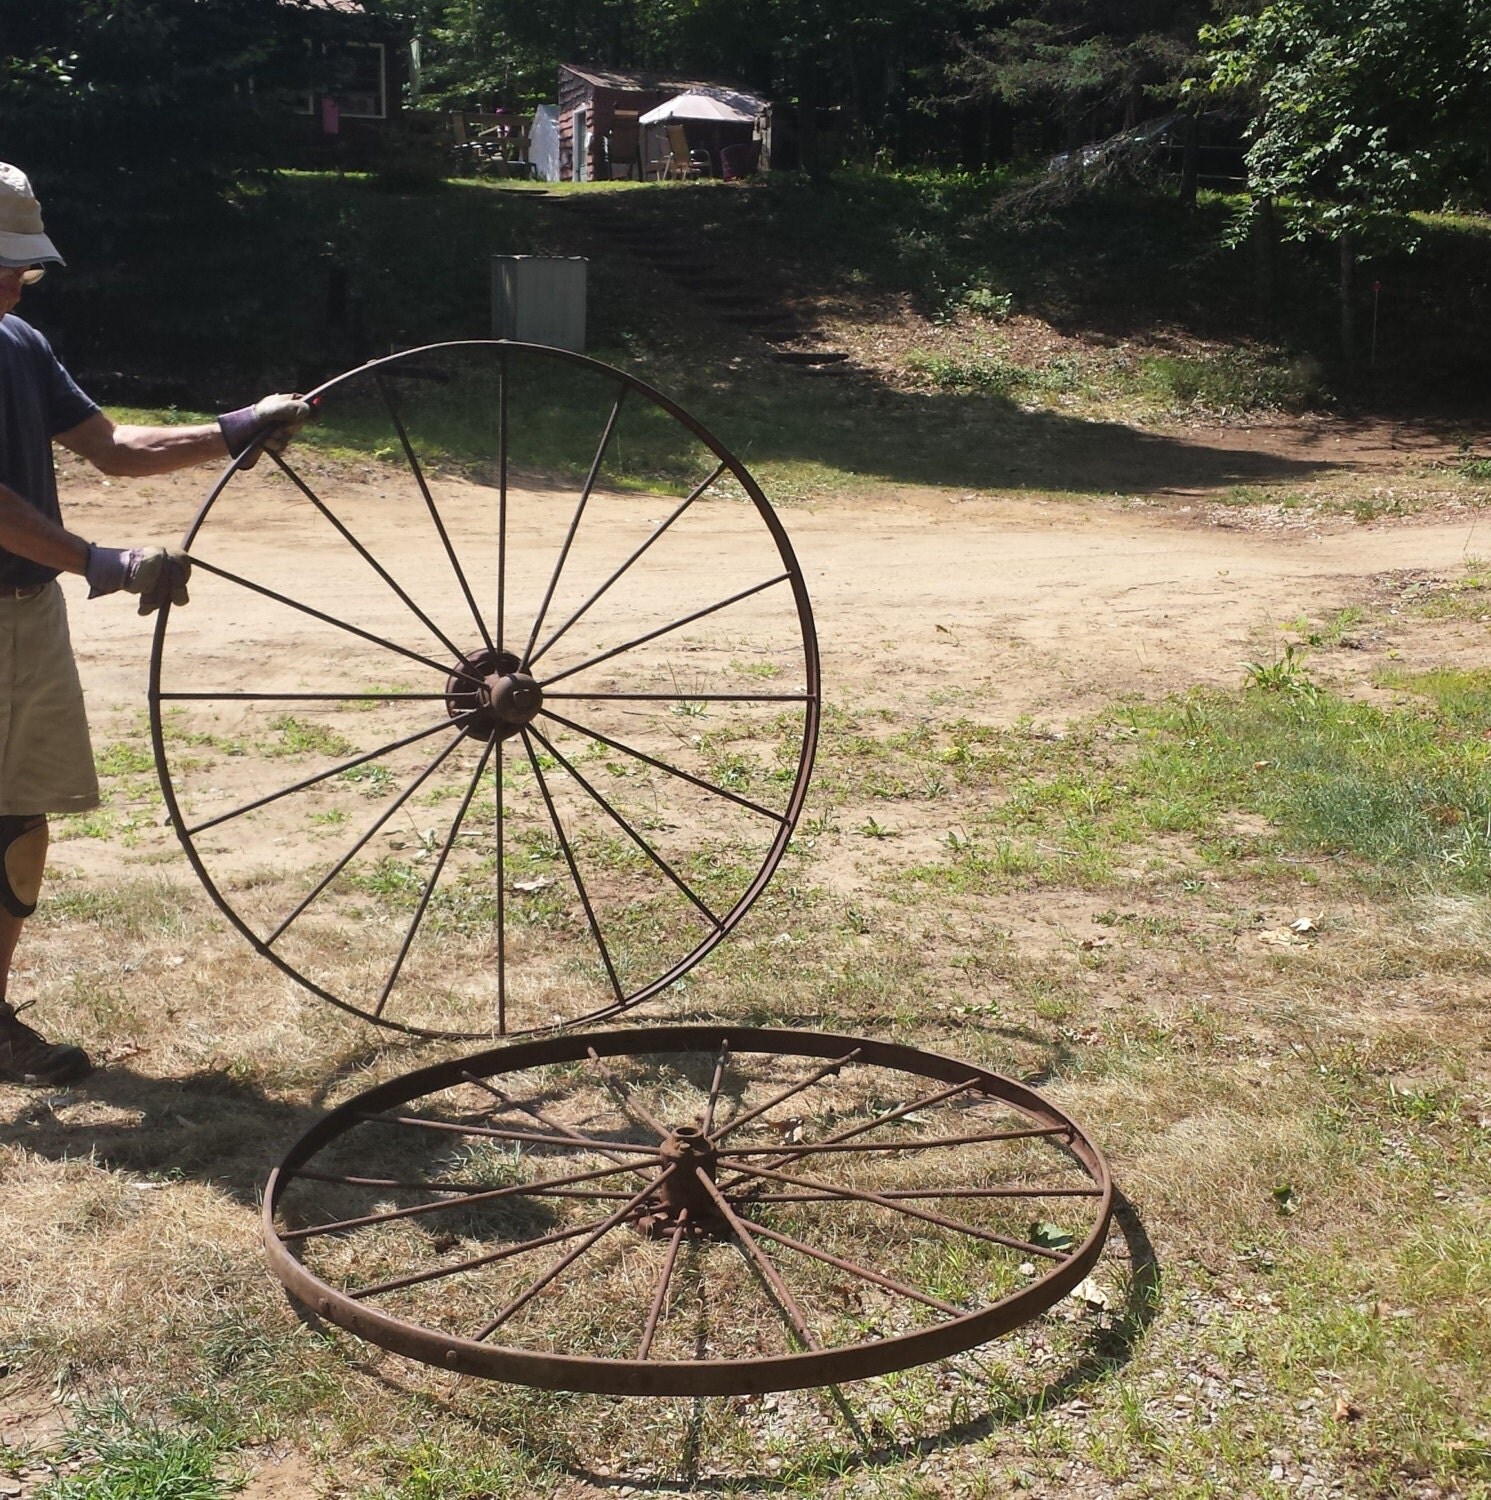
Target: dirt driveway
{"points": [[1013, 605]]}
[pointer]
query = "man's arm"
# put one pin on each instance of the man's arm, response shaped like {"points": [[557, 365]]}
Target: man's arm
{"points": [[140, 451], [27, 533]]}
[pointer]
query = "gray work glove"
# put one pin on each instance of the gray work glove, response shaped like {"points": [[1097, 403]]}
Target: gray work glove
{"points": [[267, 425], [154, 573]]}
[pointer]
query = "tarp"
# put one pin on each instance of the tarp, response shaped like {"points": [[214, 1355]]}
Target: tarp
{"points": [[717, 104], [543, 142]]}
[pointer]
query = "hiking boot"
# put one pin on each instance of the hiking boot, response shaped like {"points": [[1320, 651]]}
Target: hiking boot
{"points": [[29, 1058]]}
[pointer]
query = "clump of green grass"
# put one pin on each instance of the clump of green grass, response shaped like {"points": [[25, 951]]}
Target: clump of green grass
{"points": [[1403, 790], [124, 759], [1232, 381], [300, 737], [123, 1458], [1063, 375]]}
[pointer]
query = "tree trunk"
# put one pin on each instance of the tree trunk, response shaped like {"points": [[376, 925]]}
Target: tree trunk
{"points": [[1265, 238], [1346, 289], [1190, 159], [808, 149]]}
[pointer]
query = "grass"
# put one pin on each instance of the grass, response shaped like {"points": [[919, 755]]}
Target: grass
{"points": [[1300, 1121], [116, 1456], [1312, 1177], [1228, 383]]}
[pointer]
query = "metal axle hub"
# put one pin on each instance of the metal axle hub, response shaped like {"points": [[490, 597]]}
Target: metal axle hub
{"points": [[493, 697], [682, 1198]]}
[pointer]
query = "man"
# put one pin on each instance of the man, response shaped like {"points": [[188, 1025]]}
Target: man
{"points": [[46, 761]]}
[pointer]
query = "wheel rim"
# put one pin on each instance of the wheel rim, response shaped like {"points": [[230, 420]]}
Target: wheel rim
{"points": [[690, 1210], [518, 756]]}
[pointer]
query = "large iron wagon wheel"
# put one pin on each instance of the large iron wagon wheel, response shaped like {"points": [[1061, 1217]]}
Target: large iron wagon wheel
{"points": [[688, 1210], [507, 750]]}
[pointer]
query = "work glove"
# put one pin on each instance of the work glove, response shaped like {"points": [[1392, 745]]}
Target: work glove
{"points": [[266, 425], [154, 573]]}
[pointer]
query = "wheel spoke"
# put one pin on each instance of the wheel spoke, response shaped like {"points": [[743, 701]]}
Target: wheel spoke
{"points": [[573, 1140], [785, 1300], [441, 727], [625, 1097], [885, 1118], [417, 470], [916, 1143], [688, 500], [558, 1126], [888, 1283], [446, 669], [500, 893], [665, 1276], [828, 1069], [680, 697], [363, 842], [346, 535], [472, 1263], [662, 765], [440, 1185], [466, 1197], [433, 879], [626, 828], [574, 869], [706, 1122], [574, 526], [652, 635], [829, 1195], [900, 1206], [223, 697], [601, 1230], [502, 454]]}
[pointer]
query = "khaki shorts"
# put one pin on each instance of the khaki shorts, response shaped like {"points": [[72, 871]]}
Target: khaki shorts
{"points": [[46, 760]]}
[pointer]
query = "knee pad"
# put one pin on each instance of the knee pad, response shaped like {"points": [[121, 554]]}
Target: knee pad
{"points": [[23, 857]]}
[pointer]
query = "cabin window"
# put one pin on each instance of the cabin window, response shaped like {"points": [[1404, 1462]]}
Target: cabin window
{"points": [[354, 75]]}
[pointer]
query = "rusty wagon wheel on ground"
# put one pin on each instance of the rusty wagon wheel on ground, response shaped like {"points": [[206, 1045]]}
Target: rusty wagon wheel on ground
{"points": [[533, 745], [688, 1210]]}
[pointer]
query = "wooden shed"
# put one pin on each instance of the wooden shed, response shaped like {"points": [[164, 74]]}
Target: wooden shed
{"points": [[356, 68], [599, 137]]}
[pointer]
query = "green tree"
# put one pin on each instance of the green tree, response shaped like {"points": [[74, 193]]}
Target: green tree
{"points": [[1362, 112], [865, 56], [1087, 67], [140, 86]]}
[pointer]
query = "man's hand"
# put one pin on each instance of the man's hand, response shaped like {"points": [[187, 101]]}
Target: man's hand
{"points": [[267, 425], [154, 573]]}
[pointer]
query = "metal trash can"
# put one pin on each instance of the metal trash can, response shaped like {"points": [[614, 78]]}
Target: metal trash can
{"points": [[540, 299]]}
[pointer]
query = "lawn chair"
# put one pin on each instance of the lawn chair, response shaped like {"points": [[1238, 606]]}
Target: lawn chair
{"points": [[624, 148], [740, 161], [680, 161]]}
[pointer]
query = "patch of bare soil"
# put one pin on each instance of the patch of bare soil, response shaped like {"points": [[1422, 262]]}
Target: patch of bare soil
{"points": [[994, 607]]}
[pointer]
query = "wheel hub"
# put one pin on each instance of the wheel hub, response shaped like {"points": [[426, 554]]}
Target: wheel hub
{"points": [[491, 696], [683, 1198]]}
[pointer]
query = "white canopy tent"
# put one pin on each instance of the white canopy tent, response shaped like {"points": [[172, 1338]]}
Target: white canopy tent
{"points": [[697, 104], [709, 108]]}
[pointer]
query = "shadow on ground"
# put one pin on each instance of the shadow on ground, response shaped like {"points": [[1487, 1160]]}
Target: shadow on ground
{"points": [[206, 1126]]}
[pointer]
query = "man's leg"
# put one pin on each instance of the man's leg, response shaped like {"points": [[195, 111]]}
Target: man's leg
{"points": [[25, 1056], [10, 935]]}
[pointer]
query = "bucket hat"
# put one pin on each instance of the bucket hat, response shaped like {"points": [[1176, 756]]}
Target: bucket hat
{"points": [[22, 242]]}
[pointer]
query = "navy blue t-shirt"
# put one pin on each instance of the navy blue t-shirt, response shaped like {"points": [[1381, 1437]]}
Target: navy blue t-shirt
{"points": [[38, 399]]}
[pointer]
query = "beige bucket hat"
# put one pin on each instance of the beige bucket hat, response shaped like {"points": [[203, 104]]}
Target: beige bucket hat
{"points": [[22, 242]]}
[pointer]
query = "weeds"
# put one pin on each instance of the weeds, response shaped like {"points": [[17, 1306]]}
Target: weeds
{"points": [[122, 1458]]}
